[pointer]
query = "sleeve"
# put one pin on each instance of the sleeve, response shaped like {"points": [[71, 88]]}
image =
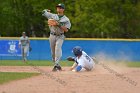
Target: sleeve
{"points": [[47, 14], [19, 41], [68, 24]]}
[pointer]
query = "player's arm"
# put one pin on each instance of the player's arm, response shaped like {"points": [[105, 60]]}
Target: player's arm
{"points": [[46, 13], [29, 42], [73, 66], [70, 58], [19, 44], [65, 27]]}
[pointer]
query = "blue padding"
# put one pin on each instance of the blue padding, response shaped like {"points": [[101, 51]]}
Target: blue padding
{"points": [[118, 50], [78, 68]]}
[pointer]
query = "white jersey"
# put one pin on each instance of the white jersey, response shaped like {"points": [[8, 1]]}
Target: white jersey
{"points": [[85, 61]]}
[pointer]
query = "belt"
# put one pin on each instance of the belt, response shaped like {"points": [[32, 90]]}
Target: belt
{"points": [[56, 34]]}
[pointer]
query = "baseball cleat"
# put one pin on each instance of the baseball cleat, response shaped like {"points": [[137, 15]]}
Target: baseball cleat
{"points": [[59, 68], [24, 60], [55, 68]]}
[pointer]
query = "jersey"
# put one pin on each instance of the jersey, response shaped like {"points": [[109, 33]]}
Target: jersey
{"points": [[24, 41], [64, 21], [85, 61]]}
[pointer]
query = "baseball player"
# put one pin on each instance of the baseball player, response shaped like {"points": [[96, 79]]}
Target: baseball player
{"points": [[82, 60], [24, 44], [58, 24]]}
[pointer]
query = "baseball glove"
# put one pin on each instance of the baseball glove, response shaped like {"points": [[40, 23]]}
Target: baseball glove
{"points": [[30, 49], [52, 22], [70, 58]]}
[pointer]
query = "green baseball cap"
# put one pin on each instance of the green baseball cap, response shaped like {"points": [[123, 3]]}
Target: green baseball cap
{"points": [[23, 32], [61, 5]]}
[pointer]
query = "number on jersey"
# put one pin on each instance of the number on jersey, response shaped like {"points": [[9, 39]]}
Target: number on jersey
{"points": [[88, 58]]}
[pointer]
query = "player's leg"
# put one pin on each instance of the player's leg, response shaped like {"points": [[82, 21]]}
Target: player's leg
{"points": [[82, 65], [22, 51], [58, 51], [79, 68], [73, 66], [89, 65], [52, 40], [26, 49]]}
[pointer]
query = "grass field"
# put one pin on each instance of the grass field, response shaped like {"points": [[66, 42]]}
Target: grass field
{"points": [[50, 63], [10, 76], [36, 63], [133, 64]]}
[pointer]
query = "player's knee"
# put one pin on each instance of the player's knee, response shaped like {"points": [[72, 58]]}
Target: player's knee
{"points": [[57, 46], [58, 49]]}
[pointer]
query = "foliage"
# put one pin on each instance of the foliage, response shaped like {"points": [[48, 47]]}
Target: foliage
{"points": [[89, 18]]}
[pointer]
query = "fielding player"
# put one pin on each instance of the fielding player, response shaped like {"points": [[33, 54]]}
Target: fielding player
{"points": [[82, 60], [24, 44], [58, 24]]}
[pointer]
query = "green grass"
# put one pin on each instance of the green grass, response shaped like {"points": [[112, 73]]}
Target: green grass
{"points": [[133, 64], [50, 63], [10, 76], [36, 63]]}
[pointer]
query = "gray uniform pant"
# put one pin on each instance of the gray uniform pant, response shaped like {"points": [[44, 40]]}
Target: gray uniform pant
{"points": [[25, 50], [56, 47]]}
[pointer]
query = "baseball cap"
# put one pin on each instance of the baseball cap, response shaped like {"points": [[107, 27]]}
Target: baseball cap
{"points": [[61, 5], [23, 32]]}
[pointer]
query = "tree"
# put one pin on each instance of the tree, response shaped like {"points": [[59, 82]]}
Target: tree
{"points": [[89, 18]]}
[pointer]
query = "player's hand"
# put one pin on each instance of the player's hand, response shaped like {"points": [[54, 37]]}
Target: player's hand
{"points": [[46, 10], [71, 69]]}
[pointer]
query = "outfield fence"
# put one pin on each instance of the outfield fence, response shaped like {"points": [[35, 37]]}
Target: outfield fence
{"points": [[118, 49]]}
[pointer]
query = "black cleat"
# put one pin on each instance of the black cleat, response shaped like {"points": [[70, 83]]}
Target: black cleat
{"points": [[55, 68], [59, 68]]}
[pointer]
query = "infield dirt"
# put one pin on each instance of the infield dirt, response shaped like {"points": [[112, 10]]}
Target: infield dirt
{"points": [[100, 80]]}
